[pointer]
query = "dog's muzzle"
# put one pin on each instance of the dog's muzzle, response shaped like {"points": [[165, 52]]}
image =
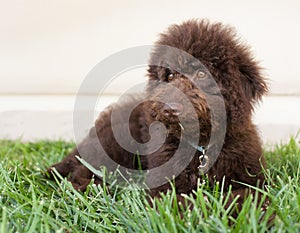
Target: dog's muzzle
{"points": [[172, 109]]}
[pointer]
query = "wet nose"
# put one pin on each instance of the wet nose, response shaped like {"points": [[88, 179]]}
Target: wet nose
{"points": [[172, 109]]}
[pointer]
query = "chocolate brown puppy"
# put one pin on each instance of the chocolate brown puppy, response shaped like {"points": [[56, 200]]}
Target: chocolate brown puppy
{"points": [[220, 56]]}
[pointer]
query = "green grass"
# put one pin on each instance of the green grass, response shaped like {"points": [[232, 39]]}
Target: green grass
{"points": [[31, 203]]}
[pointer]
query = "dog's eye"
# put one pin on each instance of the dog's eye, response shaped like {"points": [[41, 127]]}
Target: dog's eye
{"points": [[170, 77], [201, 74]]}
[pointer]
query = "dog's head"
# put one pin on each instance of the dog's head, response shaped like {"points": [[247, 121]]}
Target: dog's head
{"points": [[216, 53]]}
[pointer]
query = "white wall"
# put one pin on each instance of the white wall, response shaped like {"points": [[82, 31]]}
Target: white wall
{"points": [[48, 47]]}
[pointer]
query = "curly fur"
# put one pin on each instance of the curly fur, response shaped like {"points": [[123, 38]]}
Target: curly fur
{"points": [[241, 83]]}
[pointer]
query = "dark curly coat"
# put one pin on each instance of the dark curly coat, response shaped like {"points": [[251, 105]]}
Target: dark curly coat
{"points": [[241, 84]]}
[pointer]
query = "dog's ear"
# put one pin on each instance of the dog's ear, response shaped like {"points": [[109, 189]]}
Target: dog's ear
{"points": [[254, 84], [248, 91]]}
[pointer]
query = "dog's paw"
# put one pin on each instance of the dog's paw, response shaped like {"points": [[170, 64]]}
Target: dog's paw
{"points": [[73, 170]]}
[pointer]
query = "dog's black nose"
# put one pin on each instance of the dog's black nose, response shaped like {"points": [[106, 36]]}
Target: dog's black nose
{"points": [[172, 109]]}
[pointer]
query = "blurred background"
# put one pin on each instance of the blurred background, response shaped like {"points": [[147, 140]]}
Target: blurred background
{"points": [[48, 47]]}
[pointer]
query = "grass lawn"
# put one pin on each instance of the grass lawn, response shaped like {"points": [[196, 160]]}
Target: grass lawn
{"points": [[31, 203]]}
